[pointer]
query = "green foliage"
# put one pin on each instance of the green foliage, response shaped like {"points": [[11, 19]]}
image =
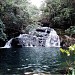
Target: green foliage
{"points": [[70, 30], [2, 26], [70, 51], [70, 60], [61, 13], [66, 12], [65, 51], [31, 27], [14, 15], [2, 34], [17, 15], [33, 12]]}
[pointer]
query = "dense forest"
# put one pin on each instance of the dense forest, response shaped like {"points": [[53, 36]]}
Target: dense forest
{"points": [[20, 16]]}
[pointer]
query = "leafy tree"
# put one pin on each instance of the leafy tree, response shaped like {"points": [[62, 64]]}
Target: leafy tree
{"points": [[14, 15], [31, 27], [70, 31], [17, 15], [33, 12], [3, 37], [61, 14]]}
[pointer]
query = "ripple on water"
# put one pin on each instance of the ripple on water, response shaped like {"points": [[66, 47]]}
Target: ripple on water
{"points": [[29, 60], [42, 73], [28, 73]]}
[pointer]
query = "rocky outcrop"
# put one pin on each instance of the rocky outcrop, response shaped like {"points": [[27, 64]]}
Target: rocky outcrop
{"points": [[66, 41], [15, 43]]}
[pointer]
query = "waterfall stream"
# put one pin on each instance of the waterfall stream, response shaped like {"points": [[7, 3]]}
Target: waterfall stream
{"points": [[41, 37]]}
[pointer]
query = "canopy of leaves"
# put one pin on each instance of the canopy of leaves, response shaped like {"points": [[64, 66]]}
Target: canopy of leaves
{"points": [[70, 30], [61, 13], [17, 15], [2, 34], [31, 27], [13, 16]]}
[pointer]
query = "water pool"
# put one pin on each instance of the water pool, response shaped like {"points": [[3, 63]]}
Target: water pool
{"points": [[29, 59]]}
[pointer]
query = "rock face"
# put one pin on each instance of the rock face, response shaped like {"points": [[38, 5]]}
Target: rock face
{"points": [[15, 43], [66, 41], [40, 37]]}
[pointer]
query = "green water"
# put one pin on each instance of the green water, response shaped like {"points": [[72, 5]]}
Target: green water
{"points": [[35, 59]]}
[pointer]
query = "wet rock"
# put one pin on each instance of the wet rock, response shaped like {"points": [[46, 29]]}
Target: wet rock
{"points": [[66, 41], [15, 43]]}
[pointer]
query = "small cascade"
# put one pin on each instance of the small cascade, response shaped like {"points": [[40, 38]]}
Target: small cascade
{"points": [[8, 44], [44, 37], [53, 39], [25, 40]]}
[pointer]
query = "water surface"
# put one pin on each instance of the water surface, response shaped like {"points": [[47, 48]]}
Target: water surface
{"points": [[34, 59]]}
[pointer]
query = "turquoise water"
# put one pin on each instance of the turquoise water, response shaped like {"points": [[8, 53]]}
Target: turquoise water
{"points": [[35, 59]]}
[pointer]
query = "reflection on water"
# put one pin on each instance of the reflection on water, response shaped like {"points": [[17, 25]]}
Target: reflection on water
{"points": [[35, 59]]}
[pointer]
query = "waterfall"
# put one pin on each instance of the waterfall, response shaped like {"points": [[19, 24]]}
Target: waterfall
{"points": [[8, 44], [53, 39], [40, 39]]}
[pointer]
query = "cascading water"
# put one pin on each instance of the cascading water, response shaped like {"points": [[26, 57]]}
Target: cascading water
{"points": [[53, 39], [41, 37], [8, 44]]}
